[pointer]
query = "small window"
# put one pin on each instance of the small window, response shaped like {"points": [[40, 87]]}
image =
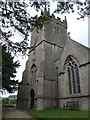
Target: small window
{"points": [[56, 30], [55, 48]]}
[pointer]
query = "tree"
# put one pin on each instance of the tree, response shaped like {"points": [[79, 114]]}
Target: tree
{"points": [[83, 8], [16, 16], [8, 71]]}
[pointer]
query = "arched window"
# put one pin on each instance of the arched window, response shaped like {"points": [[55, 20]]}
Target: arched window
{"points": [[71, 65], [33, 74]]}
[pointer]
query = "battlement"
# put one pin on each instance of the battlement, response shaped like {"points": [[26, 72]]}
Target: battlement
{"points": [[59, 21], [52, 17], [54, 30]]}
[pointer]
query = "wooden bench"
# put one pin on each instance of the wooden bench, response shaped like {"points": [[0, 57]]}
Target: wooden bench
{"points": [[71, 105]]}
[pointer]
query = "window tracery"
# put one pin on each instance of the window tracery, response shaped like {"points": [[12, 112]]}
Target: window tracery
{"points": [[72, 68], [33, 74]]}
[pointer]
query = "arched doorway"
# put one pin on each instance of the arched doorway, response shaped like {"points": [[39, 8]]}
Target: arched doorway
{"points": [[32, 95]]}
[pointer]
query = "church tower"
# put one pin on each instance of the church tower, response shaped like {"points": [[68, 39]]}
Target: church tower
{"points": [[39, 86]]}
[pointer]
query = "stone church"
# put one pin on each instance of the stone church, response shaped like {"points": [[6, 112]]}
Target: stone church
{"points": [[56, 70]]}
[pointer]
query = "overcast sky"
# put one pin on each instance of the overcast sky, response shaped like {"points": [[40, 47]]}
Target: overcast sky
{"points": [[78, 31]]}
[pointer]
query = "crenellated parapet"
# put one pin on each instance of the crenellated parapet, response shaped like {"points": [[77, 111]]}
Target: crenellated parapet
{"points": [[59, 21]]}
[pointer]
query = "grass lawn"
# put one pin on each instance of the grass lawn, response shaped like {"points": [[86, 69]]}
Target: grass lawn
{"points": [[58, 113]]}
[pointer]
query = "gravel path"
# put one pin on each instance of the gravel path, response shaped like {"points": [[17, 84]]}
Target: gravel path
{"points": [[14, 113]]}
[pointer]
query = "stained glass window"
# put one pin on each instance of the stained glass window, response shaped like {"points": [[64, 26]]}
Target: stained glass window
{"points": [[73, 80], [69, 80], [77, 79]]}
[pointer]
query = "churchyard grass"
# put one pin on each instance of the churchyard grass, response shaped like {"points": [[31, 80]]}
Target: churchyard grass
{"points": [[58, 113]]}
